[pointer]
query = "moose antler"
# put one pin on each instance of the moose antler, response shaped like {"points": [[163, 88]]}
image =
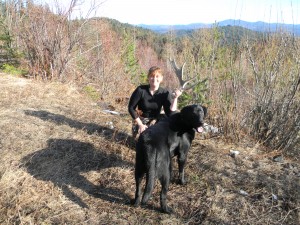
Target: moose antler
{"points": [[179, 74]]}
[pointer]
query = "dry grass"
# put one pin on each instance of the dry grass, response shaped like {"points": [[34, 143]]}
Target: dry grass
{"points": [[62, 164]]}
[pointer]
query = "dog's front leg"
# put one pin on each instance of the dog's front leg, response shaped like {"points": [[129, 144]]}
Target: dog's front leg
{"points": [[181, 164]]}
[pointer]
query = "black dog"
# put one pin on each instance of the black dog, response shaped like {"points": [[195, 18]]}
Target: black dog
{"points": [[158, 144]]}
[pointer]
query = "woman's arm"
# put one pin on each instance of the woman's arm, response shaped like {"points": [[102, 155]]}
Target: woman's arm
{"points": [[133, 102]]}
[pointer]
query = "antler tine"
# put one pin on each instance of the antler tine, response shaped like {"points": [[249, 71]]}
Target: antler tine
{"points": [[178, 71], [183, 87], [196, 83]]}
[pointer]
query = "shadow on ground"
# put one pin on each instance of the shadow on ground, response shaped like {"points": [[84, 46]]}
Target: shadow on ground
{"points": [[62, 163], [90, 128]]}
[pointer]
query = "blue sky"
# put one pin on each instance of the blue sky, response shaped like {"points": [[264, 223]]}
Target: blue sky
{"points": [[170, 12]]}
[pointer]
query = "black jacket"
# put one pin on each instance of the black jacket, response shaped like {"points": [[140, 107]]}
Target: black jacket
{"points": [[150, 105]]}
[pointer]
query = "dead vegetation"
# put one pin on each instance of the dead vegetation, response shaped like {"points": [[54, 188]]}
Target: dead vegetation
{"points": [[63, 163]]}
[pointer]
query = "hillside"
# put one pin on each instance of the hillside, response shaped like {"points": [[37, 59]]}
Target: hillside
{"points": [[65, 161], [258, 26]]}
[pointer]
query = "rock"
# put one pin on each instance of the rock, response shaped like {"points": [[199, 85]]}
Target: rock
{"points": [[242, 192], [210, 129], [234, 153], [278, 158], [274, 197], [111, 112], [110, 125]]}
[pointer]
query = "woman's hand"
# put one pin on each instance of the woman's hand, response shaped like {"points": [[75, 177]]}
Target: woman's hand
{"points": [[142, 128], [175, 96], [177, 93]]}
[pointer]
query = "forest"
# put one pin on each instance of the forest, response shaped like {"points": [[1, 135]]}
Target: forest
{"points": [[248, 80]]}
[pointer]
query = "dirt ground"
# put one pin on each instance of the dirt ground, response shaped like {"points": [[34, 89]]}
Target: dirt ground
{"points": [[65, 160]]}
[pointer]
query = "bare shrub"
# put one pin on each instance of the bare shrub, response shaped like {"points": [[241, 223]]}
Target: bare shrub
{"points": [[275, 116], [48, 40], [253, 85], [104, 67], [58, 47]]}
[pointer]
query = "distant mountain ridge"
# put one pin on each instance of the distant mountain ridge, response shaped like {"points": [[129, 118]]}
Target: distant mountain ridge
{"points": [[255, 26]]}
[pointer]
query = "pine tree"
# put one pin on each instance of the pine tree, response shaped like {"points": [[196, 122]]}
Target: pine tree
{"points": [[8, 55]]}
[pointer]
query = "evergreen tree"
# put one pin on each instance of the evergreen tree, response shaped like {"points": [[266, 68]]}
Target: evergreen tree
{"points": [[132, 67], [7, 52]]}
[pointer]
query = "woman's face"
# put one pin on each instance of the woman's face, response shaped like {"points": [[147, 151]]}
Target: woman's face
{"points": [[155, 80]]}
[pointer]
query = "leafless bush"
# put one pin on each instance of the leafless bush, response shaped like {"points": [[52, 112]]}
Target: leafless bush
{"points": [[48, 40], [103, 66], [253, 85], [275, 116], [57, 46]]}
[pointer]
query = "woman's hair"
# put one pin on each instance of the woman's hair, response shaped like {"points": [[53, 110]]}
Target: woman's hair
{"points": [[154, 70]]}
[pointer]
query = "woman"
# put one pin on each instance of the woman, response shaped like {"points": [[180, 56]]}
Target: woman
{"points": [[150, 99]]}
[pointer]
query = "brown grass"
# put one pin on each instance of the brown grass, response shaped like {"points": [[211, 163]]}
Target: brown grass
{"points": [[62, 164]]}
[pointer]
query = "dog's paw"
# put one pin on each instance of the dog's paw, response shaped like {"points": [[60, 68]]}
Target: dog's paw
{"points": [[173, 181], [134, 203], [182, 182], [167, 210]]}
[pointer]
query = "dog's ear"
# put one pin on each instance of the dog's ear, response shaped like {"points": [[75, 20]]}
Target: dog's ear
{"points": [[204, 110]]}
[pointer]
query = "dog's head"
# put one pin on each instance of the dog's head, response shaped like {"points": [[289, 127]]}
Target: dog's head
{"points": [[193, 116]]}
